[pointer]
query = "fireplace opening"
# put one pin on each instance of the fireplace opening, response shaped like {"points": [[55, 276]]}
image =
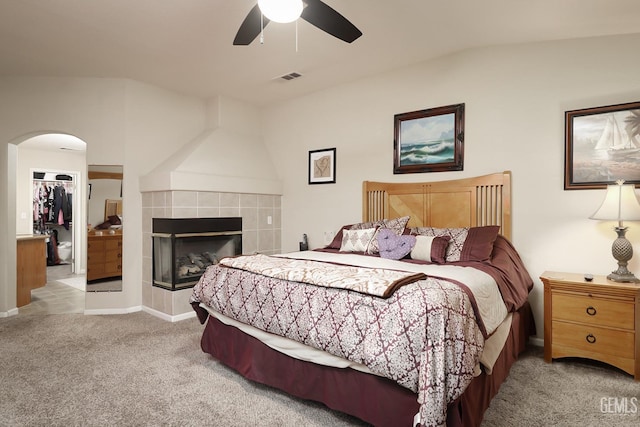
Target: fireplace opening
{"points": [[183, 248]]}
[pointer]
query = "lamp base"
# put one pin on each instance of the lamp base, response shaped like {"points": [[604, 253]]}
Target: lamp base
{"points": [[622, 251], [624, 278]]}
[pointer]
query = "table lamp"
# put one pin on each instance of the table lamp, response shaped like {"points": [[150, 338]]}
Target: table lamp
{"points": [[620, 204]]}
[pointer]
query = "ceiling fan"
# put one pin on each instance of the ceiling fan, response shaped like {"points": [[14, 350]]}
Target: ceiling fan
{"points": [[314, 12]]}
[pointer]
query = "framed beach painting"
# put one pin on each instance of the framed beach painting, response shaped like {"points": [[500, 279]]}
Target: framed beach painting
{"points": [[429, 140], [322, 166], [602, 145]]}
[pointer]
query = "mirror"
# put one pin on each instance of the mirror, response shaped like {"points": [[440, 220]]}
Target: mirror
{"points": [[104, 228]]}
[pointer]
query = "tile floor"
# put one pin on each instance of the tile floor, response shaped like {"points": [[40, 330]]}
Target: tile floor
{"points": [[55, 297]]}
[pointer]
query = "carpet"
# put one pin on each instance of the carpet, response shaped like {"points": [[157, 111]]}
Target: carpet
{"points": [[566, 392], [138, 370], [131, 370]]}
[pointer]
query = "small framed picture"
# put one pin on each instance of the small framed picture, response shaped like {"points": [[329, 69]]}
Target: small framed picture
{"points": [[322, 166], [429, 140], [602, 145]]}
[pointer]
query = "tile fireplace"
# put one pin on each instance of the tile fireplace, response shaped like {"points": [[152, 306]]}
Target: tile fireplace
{"points": [[184, 247]]}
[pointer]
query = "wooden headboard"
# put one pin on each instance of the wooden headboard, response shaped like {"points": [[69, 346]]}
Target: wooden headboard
{"points": [[467, 202]]}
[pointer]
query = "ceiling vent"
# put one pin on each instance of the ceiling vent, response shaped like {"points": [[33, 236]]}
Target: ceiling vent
{"points": [[290, 76]]}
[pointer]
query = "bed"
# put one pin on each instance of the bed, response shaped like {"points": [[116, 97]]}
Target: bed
{"points": [[413, 316]]}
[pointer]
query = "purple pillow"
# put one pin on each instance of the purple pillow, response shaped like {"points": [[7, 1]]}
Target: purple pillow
{"points": [[393, 246]]}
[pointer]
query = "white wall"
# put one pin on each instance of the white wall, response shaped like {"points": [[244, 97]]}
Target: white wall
{"points": [[229, 156], [515, 100], [122, 122]]}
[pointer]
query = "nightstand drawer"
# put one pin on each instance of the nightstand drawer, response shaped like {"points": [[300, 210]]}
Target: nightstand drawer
{"points": [[593, 310], [587, 339]]}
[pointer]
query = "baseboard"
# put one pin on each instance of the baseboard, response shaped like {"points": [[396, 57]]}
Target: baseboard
{"points": [[169, 317], [12, 312], [538, 342], [100, 311]]}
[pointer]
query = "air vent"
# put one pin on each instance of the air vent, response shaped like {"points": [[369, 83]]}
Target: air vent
{"points": [[291, 76]]}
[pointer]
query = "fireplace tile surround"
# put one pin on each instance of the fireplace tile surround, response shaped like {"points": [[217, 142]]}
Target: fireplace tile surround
{"points": [[257, 234]]}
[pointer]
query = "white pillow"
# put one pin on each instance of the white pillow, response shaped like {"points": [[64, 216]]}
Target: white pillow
{"points": [[357, 240], [422, 249]]}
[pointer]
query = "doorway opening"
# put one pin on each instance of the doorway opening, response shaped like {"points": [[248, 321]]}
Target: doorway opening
{"points": [[50, 180]]}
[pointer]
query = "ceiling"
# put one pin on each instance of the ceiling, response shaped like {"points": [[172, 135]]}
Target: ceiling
{"points": [[55, 142], [186, 45]]}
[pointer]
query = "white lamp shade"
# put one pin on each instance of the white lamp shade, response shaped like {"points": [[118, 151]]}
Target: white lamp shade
{"points": [[620, 204], [282, 11]]}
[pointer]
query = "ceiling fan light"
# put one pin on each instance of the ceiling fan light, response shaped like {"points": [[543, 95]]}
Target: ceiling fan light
{"points": [[282, 11]]}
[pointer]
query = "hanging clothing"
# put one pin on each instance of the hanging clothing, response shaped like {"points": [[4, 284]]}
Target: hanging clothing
{"points": [[52, 203]]}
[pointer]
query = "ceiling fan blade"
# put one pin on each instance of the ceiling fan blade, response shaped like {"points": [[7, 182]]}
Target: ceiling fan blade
{"points": [[250, 27], [327, 19]]}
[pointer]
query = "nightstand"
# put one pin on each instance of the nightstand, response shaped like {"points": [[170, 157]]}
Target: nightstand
{"points": [[597, 320]]}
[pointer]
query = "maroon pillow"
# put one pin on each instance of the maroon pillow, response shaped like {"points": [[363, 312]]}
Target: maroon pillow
{"points": [[439, 249], [479, 243], [103, 226]]}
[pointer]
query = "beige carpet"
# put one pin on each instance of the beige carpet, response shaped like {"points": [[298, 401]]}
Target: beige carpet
{"points": [[567, 392], [135, 369]]}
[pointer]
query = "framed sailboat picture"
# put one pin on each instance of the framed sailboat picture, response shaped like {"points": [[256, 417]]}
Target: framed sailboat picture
{"points": [[602, 145], [429, 140]]}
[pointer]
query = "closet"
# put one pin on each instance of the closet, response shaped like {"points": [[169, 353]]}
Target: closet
{"points": [[53, 214]]}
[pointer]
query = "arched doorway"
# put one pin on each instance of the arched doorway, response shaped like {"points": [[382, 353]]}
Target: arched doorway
{"points": [[51, 168]]}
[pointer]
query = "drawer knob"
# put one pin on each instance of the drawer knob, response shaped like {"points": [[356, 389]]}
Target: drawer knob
{"points": [[590, 339], [591, 311]]}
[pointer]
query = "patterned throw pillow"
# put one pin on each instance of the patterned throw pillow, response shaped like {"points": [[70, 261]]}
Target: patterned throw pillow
{"points": [[356, 240], [336, 243], [393, 246], [396, 225], [466, 244], [365, 225]]}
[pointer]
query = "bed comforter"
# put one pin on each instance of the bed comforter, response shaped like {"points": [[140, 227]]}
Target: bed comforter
{"points": [[426, 336]]}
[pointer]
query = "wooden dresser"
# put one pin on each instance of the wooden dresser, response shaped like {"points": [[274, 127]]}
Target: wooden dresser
{"points": [[31, 266], [104, 256], [597, 320]]}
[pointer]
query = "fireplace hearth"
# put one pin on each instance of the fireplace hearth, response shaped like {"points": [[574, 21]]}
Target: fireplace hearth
{"points": [[183, 248]]}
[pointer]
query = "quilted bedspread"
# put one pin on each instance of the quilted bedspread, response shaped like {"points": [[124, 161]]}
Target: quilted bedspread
{"points": [[424, 336], [373, 281]]}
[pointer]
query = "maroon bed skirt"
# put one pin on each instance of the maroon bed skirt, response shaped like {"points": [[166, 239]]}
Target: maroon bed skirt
{"points": [[374, 399]]}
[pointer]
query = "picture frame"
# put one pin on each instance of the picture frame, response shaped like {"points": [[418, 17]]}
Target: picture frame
{"points": [[602, 145], [430, 140], [322, 166]]}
